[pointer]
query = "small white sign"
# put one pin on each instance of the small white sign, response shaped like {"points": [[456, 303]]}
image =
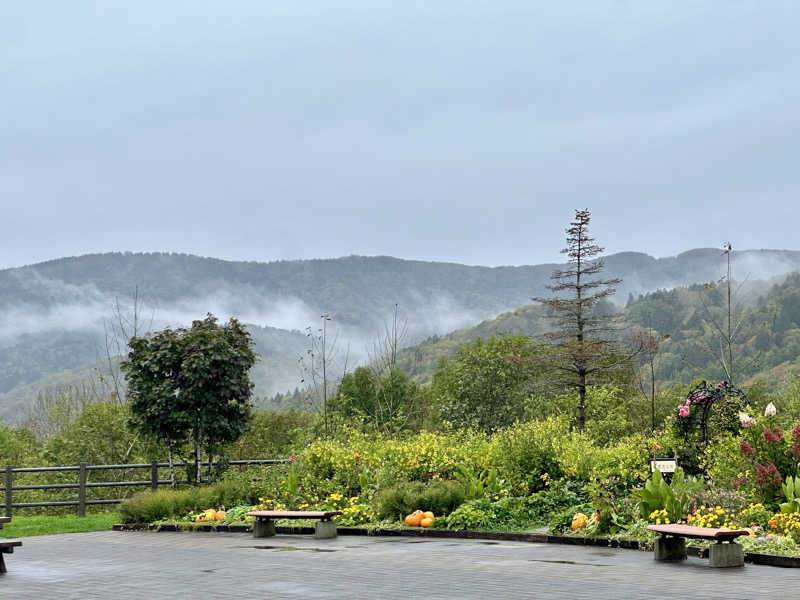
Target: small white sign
{"points": [[665, 465]]}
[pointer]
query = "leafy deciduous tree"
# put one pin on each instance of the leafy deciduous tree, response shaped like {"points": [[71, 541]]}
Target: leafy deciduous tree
{"points": [[192, 383], [485, 385]]}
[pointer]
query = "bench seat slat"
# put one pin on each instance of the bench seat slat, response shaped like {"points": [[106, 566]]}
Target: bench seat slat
{"points": [[702, 533], [293, 514], [7, 545]]}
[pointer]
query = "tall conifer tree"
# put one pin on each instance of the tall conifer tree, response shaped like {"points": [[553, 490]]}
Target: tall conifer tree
{"points": [[583, 341]]}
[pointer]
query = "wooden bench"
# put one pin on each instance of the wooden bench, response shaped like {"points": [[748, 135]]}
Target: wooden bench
{"points": [[6, 546], [264, 525], [724, 553]]}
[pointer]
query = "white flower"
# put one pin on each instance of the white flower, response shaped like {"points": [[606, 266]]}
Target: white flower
{"points": [[770, 410], [746, 420]]}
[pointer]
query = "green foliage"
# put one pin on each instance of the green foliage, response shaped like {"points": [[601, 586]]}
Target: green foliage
{"points": [[159, 505], [754, 515], [526, 452], [484, 386], [610, 413], [273, 434], [385, 402], [359, 460], [24, 526], [192, 383], [99, 435], [554, 498], [18, 447], [479, 483], [791, 491], [474, 515], [439, 497], [560, 521], [657, 495]]}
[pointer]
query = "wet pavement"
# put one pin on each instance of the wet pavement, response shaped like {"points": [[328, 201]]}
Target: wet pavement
{"points": [[123, 565]]}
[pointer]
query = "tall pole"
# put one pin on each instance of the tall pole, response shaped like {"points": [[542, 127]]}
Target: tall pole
{"points": [[728, 248], [325, 318]]}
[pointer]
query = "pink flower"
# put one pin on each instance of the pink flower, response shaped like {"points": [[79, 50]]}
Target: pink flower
{"points": [[292, 458], [746, 420], [683, 411], [768, 476], [794, 447], [745, 448]]}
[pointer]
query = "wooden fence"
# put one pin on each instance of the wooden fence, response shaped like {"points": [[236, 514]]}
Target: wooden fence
{"points": [[83, 469]]}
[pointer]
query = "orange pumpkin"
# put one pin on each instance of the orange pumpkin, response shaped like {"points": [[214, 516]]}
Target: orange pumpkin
{"points": [[426, 522], [220, 514], [414, 518], [427, 515]]}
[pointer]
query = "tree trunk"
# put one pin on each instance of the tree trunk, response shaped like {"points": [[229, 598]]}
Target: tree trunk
{"points": [[582, 403]]}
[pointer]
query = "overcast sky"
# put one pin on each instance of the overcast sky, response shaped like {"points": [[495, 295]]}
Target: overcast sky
{"points": [[459, 131]]}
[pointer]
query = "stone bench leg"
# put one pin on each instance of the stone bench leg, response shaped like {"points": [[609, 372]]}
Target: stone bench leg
{"points": [[325, 530], [726, 555], [263, 528], [670, 548]]}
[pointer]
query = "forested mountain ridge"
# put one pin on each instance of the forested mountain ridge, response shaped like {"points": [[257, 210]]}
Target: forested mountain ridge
{"points": [[355, 288], [686, 321], [54, 315]]}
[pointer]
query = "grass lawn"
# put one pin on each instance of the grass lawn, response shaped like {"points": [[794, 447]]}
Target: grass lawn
{"points": [[23, 526]]}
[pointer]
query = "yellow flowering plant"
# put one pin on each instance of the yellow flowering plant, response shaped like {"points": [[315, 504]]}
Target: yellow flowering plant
{"points": [[712, 516]]}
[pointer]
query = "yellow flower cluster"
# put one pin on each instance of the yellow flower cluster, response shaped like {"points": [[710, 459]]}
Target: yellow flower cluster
{"points": [[358, 514], [784, 523], [659, 517], [711, 516], [269, 504]]}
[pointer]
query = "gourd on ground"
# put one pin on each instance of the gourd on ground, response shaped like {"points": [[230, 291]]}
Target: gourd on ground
{"points": [[579, 521], [413, 520]]}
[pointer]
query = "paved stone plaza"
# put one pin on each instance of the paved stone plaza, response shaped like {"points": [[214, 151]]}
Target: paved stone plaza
{"points": [[122, 565]]}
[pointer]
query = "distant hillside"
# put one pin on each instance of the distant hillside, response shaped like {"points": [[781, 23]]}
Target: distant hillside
{"points": [[767, 345], [83, 359], [767, 322], [420, 360], [52, 314]]}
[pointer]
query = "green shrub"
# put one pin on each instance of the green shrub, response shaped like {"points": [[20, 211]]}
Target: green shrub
{"points": [[474, 515], [159, 505], [525, 452], [439, 497], [350, 466], [557, 497]]}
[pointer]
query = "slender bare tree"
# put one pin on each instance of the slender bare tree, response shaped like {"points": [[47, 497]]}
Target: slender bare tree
{"points": [[584, 343]]}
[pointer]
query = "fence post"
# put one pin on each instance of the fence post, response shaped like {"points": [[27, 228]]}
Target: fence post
{"points": [[9, 486], [154, 475], [82, 490]]}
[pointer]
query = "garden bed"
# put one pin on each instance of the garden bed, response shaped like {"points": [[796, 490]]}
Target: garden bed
{"points": [[539, 538]]}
